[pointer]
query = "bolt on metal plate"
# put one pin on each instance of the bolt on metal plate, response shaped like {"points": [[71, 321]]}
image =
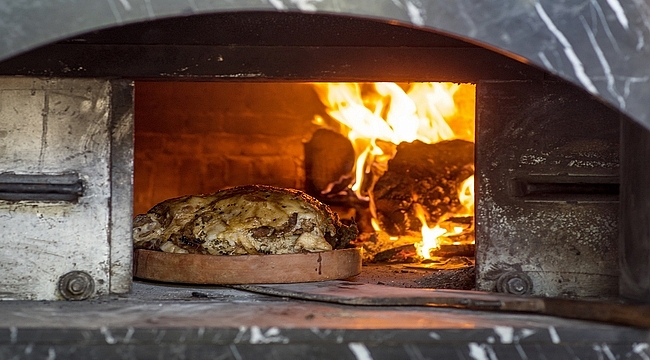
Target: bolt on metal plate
{"points": [[76, 285], [514, 282]]}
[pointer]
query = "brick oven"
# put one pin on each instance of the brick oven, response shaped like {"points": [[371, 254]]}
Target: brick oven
{"points": [[220, 139], [223, 98]]}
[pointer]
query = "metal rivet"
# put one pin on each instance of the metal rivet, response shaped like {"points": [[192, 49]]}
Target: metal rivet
{"points": [[514, 282], [76, 285]]}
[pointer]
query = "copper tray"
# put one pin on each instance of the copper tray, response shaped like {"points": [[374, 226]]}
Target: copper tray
{"points": [[246, 269]]}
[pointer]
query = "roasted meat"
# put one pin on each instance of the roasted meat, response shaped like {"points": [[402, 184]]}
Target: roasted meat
{"points": [[252, 219]]}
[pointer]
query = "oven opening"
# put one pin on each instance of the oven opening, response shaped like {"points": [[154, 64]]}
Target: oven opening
{"points": [[396, 159]]}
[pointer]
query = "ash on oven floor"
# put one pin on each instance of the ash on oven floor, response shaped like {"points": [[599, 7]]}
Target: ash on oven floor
{"points": [[414, 276]]}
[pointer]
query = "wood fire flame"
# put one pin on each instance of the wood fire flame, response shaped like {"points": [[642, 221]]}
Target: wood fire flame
{"points": [[371, 113]]}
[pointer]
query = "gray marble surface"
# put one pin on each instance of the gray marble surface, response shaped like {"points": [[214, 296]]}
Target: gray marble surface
{"points": [[164, 321], [602, 46]]}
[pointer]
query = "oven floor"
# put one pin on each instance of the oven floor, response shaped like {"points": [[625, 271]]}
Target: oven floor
{"points": [[164, 321]]}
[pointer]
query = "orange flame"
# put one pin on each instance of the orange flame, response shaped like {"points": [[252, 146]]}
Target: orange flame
{"points": [[387, 112], [375, 224], [429, 235]]}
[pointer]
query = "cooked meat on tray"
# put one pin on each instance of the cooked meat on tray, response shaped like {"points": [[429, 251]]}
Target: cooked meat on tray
{"points": [[244, 220]]}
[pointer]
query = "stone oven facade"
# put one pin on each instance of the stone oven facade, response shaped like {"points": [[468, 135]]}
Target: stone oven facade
{"points": [[600, 47]]}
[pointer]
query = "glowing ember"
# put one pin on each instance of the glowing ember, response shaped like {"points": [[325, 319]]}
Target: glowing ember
{"points": [[466, 196], [375, 224]]}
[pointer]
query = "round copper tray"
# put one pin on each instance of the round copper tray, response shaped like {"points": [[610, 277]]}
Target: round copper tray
{"points": [[246, 269]]}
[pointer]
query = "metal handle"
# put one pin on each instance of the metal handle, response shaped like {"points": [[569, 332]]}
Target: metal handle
{"points": [[566, 189], [40, 187]]}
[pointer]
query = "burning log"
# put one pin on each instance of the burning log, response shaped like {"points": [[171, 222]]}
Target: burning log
{"points": [[329, 160], [400, 254], [426, 174], [455, 250], [376, 242], [407, 253]]}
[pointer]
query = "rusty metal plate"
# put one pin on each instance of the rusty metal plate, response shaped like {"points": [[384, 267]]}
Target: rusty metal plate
{"points": [[547, 191], [66, 162]]}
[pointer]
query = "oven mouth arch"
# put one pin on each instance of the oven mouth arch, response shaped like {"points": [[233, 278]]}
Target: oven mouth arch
{"points": [[609, 64]]}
